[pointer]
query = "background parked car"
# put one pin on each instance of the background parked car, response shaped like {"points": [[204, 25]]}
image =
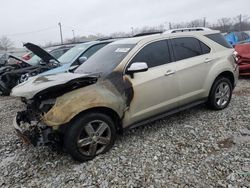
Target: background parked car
{"points": [[3, 59], [28, 56], [243, 51], [237, 38], [12, 74], [78, 55]]}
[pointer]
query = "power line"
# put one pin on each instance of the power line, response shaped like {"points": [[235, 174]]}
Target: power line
{"points": [[31, 32]]}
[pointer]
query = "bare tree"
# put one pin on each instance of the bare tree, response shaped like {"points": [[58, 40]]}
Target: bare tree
{"points": [[5, 43], [225, 24], [196, 23]]}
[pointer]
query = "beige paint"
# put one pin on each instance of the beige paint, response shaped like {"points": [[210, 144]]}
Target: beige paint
{"points": [[154, 91], [101, 94]]}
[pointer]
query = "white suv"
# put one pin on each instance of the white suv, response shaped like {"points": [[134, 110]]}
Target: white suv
{"points": [[127, 83]]}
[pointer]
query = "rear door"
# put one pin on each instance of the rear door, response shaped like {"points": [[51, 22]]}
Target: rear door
{"points": [[192, 60]]}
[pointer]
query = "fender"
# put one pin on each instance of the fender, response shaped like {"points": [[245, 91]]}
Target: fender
{"points": [[224, 65], [101, 94]]}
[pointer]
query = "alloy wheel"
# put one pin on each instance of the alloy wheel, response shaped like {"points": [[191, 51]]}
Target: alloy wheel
{"points": [[94, 138], [222, 94]]}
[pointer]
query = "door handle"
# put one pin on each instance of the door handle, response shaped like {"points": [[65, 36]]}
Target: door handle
{"points": [[169, 72], [207, 60]]}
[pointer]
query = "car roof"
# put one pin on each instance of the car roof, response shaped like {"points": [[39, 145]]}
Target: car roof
{"points": [[90, 43], [135, 40]]}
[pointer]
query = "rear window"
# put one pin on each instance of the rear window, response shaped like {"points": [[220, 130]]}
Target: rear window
{"points": [[218, 38]]}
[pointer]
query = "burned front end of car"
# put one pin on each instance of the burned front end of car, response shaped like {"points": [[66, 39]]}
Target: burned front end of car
{"points": [[29, 124]]}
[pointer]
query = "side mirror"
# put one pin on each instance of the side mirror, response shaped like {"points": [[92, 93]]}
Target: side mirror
{"points": [[137, 67], [82, 60], [52, 62]]}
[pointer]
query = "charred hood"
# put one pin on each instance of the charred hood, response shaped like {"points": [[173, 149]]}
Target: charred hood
{"points": [[52, 86], [58, 90]]}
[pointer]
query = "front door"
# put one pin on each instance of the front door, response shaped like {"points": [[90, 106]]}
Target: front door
{"points": [[155, 90]]}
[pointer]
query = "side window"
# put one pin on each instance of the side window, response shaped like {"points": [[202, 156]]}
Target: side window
{"points": [[245, 36], [89, 52], [220, 39], [186, 47], [205, 49], [154, 54]]}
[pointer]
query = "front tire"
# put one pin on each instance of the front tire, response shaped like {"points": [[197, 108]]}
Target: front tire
{"points": [[220, 94], [89, 135]]}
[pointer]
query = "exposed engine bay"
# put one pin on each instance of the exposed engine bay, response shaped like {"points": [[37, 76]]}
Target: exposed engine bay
{"points": [[28, 123]]}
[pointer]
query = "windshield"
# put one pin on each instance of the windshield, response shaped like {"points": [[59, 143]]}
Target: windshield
{"points": [[105, 60], [34, 60], [70, 55]]}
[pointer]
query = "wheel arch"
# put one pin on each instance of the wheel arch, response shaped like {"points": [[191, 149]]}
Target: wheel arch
{"points": [[105, 110], [225, 74], [229, 75]]}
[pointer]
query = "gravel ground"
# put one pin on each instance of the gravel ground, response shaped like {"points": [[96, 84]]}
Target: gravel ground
{"points": [[195, 148]]}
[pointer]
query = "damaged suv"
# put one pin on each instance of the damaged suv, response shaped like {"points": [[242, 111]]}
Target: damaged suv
{"points": [[127, 83]]}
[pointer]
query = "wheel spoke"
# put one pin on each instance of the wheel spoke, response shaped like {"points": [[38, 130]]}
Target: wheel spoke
{"points": [[219, 102], [92, 149], [89, 129], [221, 88], [102, 127], [84, 142], [226, 97], [103, 140], [226, 89], [217, 95]]}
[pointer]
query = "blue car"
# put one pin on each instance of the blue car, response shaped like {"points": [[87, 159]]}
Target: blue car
{"points": [[76, 56], [237, 38]]}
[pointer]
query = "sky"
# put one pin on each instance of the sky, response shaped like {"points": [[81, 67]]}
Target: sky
{"points": [[37, 20]]}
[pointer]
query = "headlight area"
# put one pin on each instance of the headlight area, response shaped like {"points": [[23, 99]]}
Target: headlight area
{"points": [[31, 129]]}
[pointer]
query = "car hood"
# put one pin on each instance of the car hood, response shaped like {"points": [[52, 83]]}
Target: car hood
{"points": [[43, 54], [51, 85]]}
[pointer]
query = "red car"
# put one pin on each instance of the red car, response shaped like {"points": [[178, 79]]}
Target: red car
{"points": [[28, 56], [243, 51]]}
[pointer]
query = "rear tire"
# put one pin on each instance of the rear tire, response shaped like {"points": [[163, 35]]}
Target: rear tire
{"points": [[89, 135], [220, 94]]}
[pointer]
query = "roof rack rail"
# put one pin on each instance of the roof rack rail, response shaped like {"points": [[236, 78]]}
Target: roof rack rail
{"points": [[188, 29], [147, 33], [109, 38]]}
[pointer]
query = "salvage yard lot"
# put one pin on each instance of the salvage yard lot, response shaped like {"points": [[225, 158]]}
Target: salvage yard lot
{"points": [[196, 147]]}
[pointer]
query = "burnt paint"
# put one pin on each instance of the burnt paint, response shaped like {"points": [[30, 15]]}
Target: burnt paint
{"points": [[122, 84]]}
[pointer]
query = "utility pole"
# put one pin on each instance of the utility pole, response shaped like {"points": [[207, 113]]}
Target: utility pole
{"points": [[240, 19], [132, 29], [170, 26], [204, 21], [74, 38], [60, 27]]}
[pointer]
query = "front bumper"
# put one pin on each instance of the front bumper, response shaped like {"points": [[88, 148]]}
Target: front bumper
{"points": [[20, 133], [32, 132]]}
